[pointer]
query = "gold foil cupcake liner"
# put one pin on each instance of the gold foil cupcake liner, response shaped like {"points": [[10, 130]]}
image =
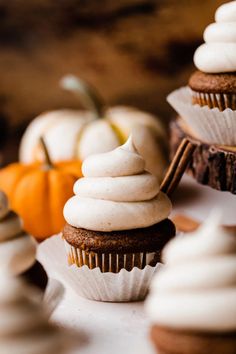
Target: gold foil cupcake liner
{"points": [[210, 125], [214, 100], [110, 262], [126, 285]]}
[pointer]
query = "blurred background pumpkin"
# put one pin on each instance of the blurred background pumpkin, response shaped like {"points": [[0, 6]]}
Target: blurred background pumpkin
{"points": [[71, 134]]}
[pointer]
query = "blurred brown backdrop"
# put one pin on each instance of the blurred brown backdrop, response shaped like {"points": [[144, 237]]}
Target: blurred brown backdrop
{"points": [[133, 51]]}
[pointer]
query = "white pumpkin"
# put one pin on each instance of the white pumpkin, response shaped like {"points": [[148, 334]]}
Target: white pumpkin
{"points": [[71, 134]]}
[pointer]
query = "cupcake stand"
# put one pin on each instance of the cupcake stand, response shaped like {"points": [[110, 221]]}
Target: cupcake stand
{"points": [[106, 328], [210, 164]]}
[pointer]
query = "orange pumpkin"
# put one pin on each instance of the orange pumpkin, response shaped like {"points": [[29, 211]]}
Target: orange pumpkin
{"points": [[38, 192]]}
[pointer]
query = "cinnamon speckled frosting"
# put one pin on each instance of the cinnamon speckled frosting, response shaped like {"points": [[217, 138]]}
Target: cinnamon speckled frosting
{"points": [[218, 53], [116, 193], [196, 290]]}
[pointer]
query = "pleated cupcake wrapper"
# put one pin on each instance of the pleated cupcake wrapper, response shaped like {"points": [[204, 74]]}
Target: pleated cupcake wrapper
{"points": [[92, 283], [210, 125], [215, 100], [53, 295], [109, 262]]}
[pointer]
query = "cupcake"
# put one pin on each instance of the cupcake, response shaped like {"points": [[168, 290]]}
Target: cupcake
{"points": [[192, 304], [118, 218], [208, 104], [214, 84], [18, 249], [24, 322]]}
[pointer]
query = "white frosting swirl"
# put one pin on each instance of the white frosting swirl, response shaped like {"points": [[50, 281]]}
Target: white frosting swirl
{"points": [[24, 326], [116, 193], [200, 271], [123, 161], [218, 54], [226, 12], [17, 249]]}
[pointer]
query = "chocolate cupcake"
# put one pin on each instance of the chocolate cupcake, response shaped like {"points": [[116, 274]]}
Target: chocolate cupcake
{"points": [[112, 251], [214, 90], [215, 84], [18, 249], [192, 304], [118, 219]]}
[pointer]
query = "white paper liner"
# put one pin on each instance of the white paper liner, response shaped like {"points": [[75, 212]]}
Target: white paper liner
{"points": [[93, 284], [208, 124], [53, 295]]}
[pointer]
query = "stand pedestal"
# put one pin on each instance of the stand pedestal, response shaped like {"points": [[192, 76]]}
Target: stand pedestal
{"points": [[210, 165]]}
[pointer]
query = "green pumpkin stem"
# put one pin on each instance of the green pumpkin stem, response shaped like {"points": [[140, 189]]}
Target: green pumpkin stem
{"points": [[87, 94], [47, 157]]}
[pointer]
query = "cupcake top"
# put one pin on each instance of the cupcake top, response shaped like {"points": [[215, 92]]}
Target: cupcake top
{"points": [[218, 53], [196, 290], [17, 249], [24, 326], [116, 193]]}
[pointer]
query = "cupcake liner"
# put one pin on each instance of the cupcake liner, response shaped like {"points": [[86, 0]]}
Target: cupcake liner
{"points": [[92, 283], [214, 100], [53, 295], [208, 124], [110, 262]]}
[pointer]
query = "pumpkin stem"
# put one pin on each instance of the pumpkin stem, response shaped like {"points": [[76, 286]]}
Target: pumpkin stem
{"points": [[88, 95], [48, 160]]}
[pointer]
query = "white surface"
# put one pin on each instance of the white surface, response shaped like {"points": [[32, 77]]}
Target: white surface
{"points": [[105, 328], [197, 200]]}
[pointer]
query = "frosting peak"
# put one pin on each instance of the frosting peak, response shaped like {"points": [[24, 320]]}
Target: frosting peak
{"points": [[209, 240], [200, 271], [116, 193], [218, 54], [123, 161], [226, 12], [17, 249]]}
